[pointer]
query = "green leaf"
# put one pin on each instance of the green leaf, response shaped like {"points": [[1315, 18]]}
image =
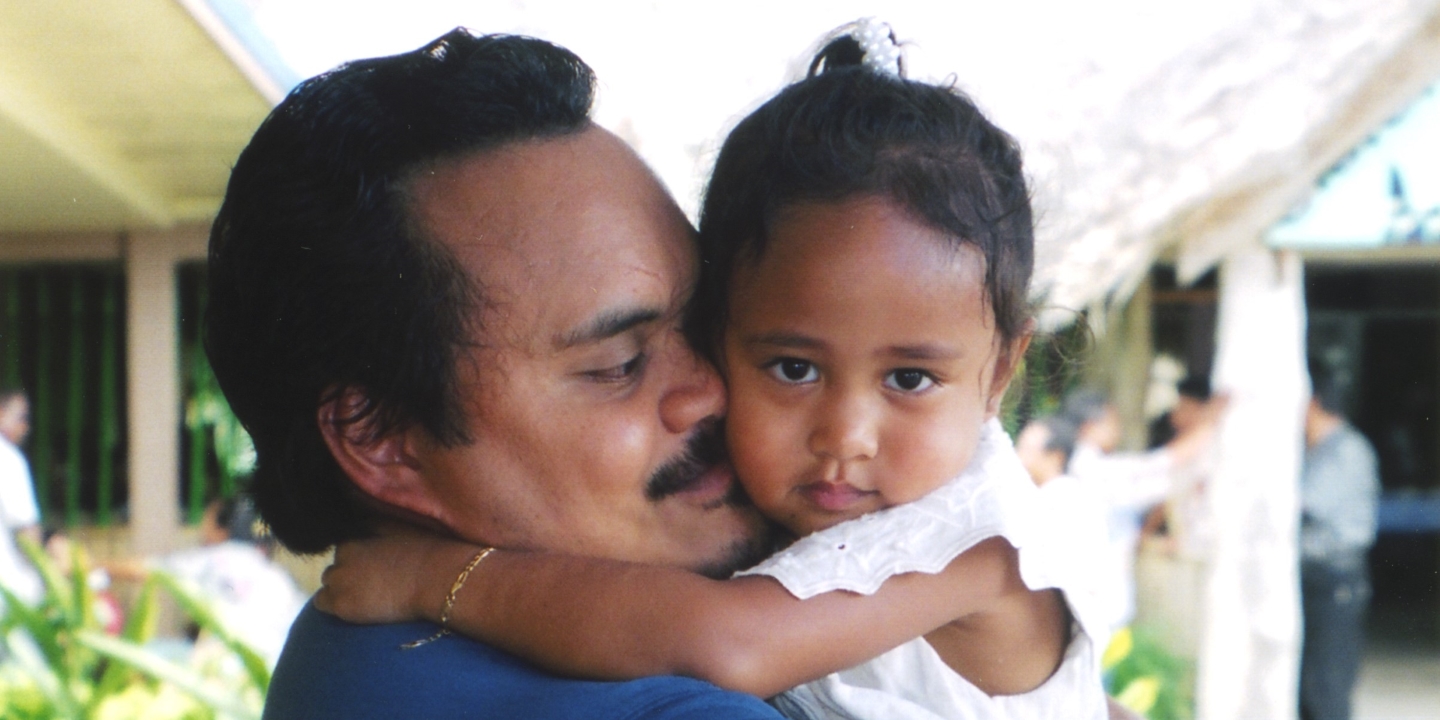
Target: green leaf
{"points": [[57, 589], [27, 655], [139, 628], [140, 625], [34, 623], [84, 597], [180, 677], [199, 610]]}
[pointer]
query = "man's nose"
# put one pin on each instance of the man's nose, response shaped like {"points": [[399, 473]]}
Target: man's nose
{"points": [[845, 429], [695, 391]]}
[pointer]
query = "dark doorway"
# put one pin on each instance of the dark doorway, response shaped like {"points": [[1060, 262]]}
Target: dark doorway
{"points": [[1379, 328]]}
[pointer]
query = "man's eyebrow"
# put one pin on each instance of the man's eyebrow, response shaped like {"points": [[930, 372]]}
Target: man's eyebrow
{"points": [[607, 325]]}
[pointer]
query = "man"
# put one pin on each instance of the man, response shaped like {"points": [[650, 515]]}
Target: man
{"points": [[1339, 491], [1183, 524], [1045, 446], [1192, 394], [442, 297], [19, 515]]}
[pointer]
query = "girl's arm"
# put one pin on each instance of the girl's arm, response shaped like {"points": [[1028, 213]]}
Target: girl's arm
{"points": [[604, 619]]}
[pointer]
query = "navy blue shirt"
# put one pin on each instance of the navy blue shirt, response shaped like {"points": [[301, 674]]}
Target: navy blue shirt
{"points": [[333, 669]]}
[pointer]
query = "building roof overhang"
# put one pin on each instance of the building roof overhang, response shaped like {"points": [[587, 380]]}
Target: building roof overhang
{"points": [[120, 115]]}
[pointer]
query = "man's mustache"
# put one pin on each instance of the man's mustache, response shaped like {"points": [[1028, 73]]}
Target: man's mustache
{"points": [[705, 450]]}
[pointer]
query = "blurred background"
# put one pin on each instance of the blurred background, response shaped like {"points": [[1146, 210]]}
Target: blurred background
{"points": [[1224, 189]]}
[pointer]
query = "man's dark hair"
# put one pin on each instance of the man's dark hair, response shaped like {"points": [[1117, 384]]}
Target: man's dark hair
{"points": [[320, 282], [1062, 433], [1194, 386], [1326, 386], [1084, 405], [9, 392], [848, 130], [236, 515]]}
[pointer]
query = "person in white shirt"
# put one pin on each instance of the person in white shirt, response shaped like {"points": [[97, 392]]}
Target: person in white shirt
{"points": [[1127, 485], [254, 598], [19, 514], [1074, 509]]}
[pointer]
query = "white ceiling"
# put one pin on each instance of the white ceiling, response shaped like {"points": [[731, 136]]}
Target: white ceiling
{"points": [[115, 115]]}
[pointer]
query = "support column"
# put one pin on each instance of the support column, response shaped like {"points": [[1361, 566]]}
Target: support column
{"points": [[1120, 362], [1249, 644], [1132, 371], [153, 383]]}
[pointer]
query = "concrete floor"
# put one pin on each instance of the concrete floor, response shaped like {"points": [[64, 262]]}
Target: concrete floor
{"points": [[1399, 685], [1400, 675]]}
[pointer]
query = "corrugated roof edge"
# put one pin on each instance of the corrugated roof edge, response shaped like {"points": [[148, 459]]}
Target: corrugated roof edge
{"points": [[230, 24]]}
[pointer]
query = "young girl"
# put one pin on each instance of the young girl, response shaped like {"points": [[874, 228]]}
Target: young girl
{"points": [[867, 247]]}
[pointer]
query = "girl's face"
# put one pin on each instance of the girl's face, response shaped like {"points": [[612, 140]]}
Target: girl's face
{"points": [[862, 361]]}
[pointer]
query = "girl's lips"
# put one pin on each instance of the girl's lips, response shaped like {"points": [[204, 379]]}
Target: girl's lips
{"points": [[833, 496]]}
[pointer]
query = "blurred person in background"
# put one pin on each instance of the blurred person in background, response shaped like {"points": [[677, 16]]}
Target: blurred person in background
{"points": [[64, 552], [19, 514], [1128, 484], [255, 599], [1073, 508], [1045, 446], [1183, 525], [1339, 493]]}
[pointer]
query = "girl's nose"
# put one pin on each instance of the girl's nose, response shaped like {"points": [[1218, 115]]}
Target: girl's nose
{"points": [[845, 431]]}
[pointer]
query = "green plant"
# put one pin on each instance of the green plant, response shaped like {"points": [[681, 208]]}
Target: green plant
{"points": [[1143, 676], [61, 664], [213, 426], [1051, 368]]}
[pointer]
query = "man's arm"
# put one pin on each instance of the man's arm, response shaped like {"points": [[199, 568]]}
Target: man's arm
{"points": [[611, 620]]}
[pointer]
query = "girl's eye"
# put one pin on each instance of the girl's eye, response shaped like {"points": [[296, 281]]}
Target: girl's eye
{"points": [[795, 372], [619, 373], [909, 380]]}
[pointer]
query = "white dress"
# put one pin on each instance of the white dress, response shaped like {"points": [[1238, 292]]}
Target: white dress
{"points": [[254, 598], [993, 497]]}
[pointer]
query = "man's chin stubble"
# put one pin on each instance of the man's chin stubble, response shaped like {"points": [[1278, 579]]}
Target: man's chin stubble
{"points": [[747, 551]]}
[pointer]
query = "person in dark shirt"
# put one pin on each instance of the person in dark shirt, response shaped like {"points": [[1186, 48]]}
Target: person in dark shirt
{"points": [[1339, 493], [441, 297]]}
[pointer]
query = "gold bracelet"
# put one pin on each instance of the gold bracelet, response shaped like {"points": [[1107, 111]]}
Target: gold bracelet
{"points": [[450, 600]]}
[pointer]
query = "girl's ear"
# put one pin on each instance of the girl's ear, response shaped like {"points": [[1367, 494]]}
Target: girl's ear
{"points": [[1007, 361], [384, 466]]}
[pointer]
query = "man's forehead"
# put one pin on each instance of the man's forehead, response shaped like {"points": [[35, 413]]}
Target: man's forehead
{"points": [[564, 237]]}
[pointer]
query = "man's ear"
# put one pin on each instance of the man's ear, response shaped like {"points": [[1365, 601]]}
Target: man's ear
{"points": [[1007, 361], [384, 466]]}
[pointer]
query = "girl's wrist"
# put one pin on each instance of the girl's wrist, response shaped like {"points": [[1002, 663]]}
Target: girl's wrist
{"points": [[439, 574]]}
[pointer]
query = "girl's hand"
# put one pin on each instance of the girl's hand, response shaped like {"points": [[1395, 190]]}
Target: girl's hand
{"points": [[399, 576]]}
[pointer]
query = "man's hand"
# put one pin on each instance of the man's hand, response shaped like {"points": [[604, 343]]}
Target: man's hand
{"points": [[399, 576]]}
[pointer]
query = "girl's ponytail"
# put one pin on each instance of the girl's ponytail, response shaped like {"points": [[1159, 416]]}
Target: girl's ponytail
{"points": [[867, 43]]}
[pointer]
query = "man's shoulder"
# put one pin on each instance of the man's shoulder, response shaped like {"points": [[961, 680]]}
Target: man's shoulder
{"points": [[330, 668], [1349, 448], [1351, 436]]}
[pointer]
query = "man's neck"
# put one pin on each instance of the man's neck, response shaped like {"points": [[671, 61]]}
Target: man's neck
{"points": [[1322, 427]]}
